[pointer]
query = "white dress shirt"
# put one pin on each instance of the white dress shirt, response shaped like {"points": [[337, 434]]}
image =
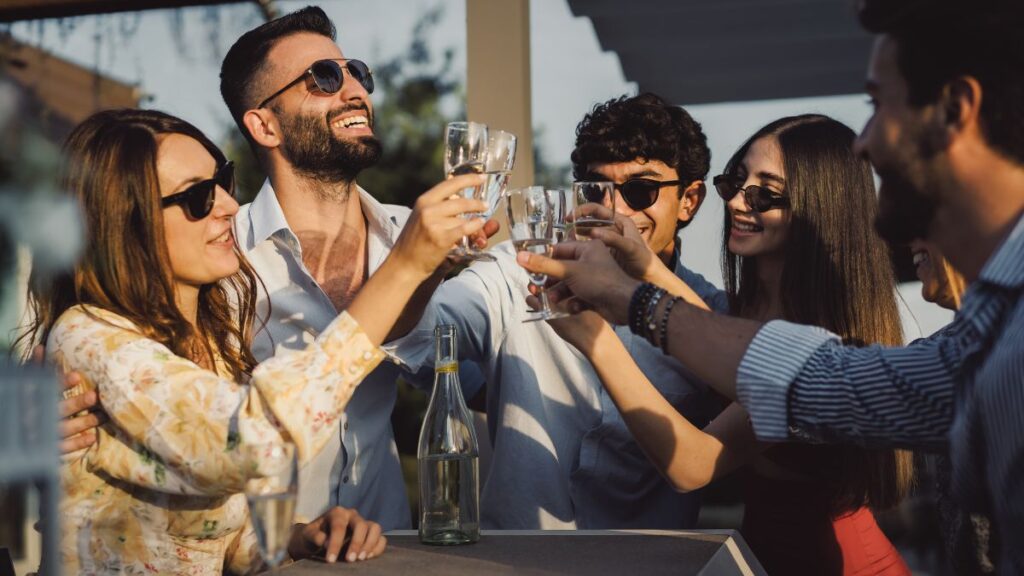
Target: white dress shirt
{"points": [[562, 455], [359, 467]]}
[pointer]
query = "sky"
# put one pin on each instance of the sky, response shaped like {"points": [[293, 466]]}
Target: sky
{"points": [[174, 56]]}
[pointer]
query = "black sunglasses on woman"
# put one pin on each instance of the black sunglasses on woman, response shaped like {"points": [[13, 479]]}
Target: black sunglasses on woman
{"points": [[759, 198], [198, 199], [328, 76]]}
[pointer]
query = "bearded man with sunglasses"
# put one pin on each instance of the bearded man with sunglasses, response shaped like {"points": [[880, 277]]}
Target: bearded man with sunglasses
{"points": [[562, 455], [314, 236]]}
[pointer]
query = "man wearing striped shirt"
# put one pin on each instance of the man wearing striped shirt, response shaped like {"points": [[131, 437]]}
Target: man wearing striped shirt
{"points": [[947, 141]]}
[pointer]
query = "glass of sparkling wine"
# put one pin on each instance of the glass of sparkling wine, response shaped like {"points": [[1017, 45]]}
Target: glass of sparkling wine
{"points": [[563, 209], [602, 193], [501, 158], [531, 225], [465, 152], [271, 498]]}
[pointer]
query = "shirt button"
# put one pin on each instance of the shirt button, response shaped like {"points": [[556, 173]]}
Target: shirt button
{"points": [[345, 479], [346, 425]]}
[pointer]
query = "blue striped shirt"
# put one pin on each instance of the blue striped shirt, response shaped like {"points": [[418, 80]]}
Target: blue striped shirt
{"points": [[962, 388]]}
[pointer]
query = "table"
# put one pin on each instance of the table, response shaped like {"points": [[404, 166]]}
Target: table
{"points": [[538, 552]]}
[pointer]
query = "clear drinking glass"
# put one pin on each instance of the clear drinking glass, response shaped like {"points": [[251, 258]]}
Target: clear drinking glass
{"points": [[501, 159], [563, 209], [592, 192], [465, 152], [272, 496], [531, 225]]}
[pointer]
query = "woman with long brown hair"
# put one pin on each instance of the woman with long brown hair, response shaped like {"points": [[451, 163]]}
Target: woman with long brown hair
{"points": [[798, 246], [157, 316]]}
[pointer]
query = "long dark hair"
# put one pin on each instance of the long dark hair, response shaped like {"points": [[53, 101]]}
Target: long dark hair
{"points": [[836, 273], [125, 267]]}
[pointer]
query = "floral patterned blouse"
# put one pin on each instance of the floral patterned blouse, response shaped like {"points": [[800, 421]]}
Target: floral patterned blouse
{"points": [[160, 490]]}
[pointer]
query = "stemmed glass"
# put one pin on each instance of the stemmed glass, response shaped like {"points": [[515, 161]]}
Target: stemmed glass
{"points": [[465, 152], [531, 225], [271, 495], [563, 210], [501, 158], [592, 192]]}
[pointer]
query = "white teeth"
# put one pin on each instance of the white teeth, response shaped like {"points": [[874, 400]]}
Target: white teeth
{"points": [[743, 227], [223, 237], [352, 121], [920, 257]]}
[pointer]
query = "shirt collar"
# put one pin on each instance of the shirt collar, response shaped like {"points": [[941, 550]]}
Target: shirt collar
{"points": [[1006, 266], [268, 219], [266, 215]]}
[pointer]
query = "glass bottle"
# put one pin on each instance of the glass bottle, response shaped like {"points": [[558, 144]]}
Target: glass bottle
{"points": [[449, 461]]}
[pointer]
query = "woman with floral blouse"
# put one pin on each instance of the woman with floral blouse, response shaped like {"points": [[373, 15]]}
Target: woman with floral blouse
{"points": [[157, 317]]}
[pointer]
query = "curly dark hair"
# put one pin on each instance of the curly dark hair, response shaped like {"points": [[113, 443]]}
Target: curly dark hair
{"points": [[243, 65], [644, 126], [940, 40]]}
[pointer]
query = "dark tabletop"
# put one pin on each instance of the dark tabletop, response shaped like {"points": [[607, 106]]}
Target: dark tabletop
{"points": [[587, 552]]}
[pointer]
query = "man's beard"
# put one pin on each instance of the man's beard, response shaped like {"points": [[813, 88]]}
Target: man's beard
{"points": [[315, 152], [905, 211]]}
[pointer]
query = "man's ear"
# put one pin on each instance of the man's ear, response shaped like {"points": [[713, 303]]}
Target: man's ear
{"points": [[691, 199], [958, 110], [263, 127]]}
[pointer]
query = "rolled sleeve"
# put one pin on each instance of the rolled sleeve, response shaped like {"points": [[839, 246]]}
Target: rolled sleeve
{"points": [[771, 364]]}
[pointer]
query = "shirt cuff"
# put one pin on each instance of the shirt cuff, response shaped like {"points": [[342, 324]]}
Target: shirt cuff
{"points": [[772, 362]]}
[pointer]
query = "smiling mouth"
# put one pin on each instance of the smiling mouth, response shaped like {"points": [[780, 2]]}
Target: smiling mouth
{"points": [[223, 238], [359, 121], [745, 227]]}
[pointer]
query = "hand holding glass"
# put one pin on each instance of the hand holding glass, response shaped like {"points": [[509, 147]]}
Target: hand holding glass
{"points": [[531, 225], [465, 152]]}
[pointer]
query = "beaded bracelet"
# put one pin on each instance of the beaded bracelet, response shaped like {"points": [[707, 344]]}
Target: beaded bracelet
{"points": [[637, 304], [650, 324], [663, 331]]}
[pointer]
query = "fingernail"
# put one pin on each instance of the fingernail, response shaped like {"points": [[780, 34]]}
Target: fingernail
{"points": [[352, 557], [362, 555], [331, 558], [522, 257]]}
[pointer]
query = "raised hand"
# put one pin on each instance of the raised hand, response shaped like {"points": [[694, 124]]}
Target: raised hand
{"points": [[435, 225], [628, 246], [588, 271]]}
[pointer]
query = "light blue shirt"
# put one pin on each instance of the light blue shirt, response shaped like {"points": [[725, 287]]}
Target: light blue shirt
{"points": [[563, 457], [359, 468]]}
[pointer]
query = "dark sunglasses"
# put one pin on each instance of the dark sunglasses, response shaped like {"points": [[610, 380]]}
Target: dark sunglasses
{"points": [[759, 198], [329, 77], [638, 193], [198, 199]]}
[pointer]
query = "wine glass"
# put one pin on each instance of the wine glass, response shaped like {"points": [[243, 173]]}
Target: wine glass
{"points": [[465, 152], [592, 192], [501, 158], [271, 497], [531, 225], [563, 210]]}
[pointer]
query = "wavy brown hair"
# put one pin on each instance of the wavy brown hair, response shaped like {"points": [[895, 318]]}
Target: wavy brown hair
{"points": [[125, 267], [836, 273]]}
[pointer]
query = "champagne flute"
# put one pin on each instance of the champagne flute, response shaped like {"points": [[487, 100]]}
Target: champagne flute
{"points": [[271, 496], [592, 192], [501, 158], [465, 152], [563, 210], [530, 220]]}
